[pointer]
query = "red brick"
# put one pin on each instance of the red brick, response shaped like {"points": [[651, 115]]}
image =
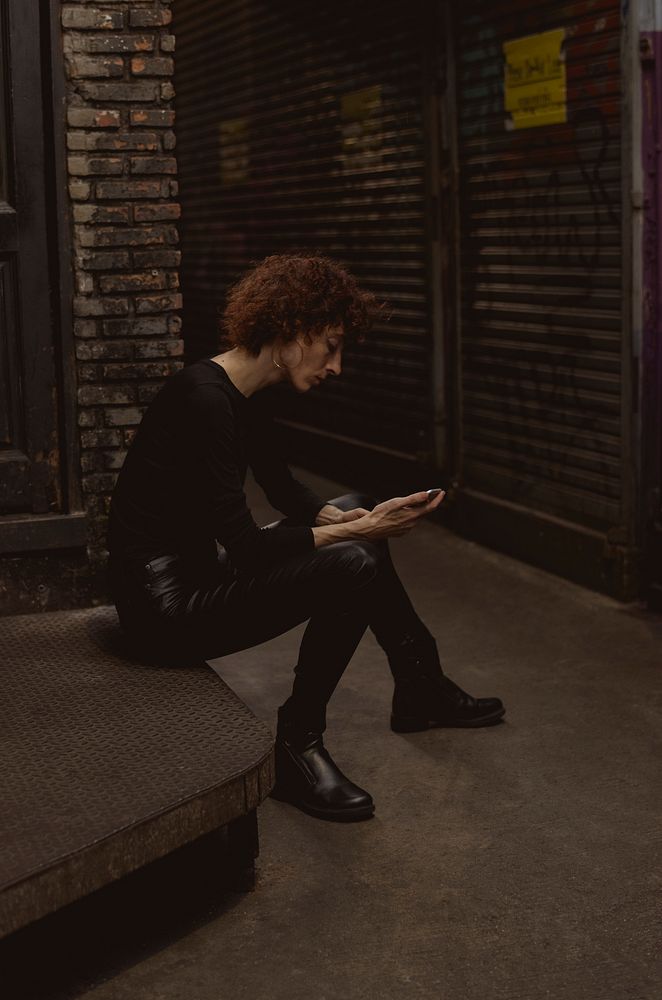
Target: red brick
{"points": [[142, 282], [128, 189], [84, 283], [136, 371], [143, 18], [138, 326], [121, 416], [104, 260], [100, 307], [93, 118], [118, 214], [127, 237], [108, 350], [89, 66], [79, 190], [136, 92], [93, 395], [87, 418], [115, 141], [146, 325], [92, 461], [101, 438], [99, 482], [89, 373], [85, 328], [153, 165], [153, 117], [92, 17], [83, 166], [160, 348], [158, 303], [157, 213], [118, 43], [157, 258], [147, 66]]}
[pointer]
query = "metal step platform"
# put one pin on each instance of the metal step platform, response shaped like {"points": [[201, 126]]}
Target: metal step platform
{"points": [[109, 763]]}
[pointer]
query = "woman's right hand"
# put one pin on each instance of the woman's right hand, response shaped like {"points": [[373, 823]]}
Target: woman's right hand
{"points": [[396, 516]]}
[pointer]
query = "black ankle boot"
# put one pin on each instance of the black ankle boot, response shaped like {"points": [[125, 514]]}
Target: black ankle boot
{"points": [[424, 697], [307, 777]]}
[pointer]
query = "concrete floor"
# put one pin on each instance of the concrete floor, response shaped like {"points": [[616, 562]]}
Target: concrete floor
{"points": [[517, 861]]}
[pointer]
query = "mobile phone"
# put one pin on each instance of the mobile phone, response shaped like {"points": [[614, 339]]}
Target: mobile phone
{"points": [[431, 495]]}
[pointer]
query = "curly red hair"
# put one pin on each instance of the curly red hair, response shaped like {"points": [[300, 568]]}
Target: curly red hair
{"points": [[288, 294]]}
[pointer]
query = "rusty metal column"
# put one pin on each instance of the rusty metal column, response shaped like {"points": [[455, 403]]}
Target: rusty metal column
{"points": [[647, 37]]}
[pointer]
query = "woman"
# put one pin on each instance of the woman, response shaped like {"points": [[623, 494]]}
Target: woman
{"points": [[193, 575]]}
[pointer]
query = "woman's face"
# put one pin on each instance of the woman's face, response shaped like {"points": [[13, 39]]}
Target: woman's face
{"points": [[320, 358]]}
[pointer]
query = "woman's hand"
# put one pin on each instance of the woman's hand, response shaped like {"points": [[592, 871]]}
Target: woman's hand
{"points": [[334, 515], [398, 515], [329, 515], [353, 515]]}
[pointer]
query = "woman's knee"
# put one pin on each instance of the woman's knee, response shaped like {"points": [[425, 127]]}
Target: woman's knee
{"points": [[355, 561]]}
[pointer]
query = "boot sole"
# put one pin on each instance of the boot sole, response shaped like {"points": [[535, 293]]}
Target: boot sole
{"points": [[407, 724], [349, 815]]}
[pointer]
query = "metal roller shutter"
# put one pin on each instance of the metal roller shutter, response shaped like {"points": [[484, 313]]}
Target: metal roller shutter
{"points": [[297, 128], [540, 269]]}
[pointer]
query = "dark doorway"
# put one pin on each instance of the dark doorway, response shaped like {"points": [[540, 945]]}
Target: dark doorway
{"points": [[29, 434]]}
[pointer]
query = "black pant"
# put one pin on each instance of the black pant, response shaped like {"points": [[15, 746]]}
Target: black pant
{"points": [[171, 609]]}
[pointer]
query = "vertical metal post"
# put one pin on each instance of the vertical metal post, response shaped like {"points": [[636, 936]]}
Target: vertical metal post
{"points": [[435, 237], [442, 185], [452, 248], [647, 316], [626, 538]]}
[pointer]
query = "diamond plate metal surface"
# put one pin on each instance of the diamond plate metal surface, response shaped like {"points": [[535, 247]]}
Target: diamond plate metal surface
{"points": [[94, 743]]}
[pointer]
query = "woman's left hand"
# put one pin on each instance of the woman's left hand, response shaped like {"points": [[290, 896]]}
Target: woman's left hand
{"points": [[353, 515], [334, 515]]}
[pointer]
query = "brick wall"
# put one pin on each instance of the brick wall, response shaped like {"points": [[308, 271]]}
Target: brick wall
{"points": [[123, 189]]}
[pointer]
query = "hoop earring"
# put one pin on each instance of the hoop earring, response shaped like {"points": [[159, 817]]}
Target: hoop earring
{"points": [[288, 366]]}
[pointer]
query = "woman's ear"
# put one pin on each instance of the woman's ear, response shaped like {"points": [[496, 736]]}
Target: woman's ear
{"points": [[302, 332]]}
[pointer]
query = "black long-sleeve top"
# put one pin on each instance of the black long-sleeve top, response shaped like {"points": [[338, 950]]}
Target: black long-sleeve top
{"points": [[180, 488]]}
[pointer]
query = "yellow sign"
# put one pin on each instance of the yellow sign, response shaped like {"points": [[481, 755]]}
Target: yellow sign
{"points": [[358, 105], [534, 83], [361, 127]]}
